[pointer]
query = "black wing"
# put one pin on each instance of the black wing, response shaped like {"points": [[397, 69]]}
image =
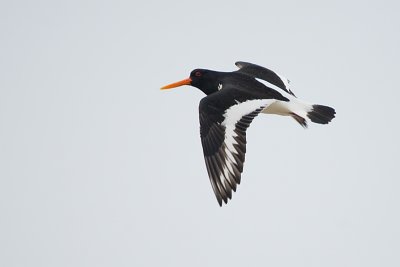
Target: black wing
{"points": [[264, 74], [223, 137]]}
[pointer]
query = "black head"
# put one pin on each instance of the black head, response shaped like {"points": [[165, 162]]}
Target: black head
{"points": [[206, 80]]}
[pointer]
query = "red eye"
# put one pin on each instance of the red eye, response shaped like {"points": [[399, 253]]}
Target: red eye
{"points": [[197, 73]]}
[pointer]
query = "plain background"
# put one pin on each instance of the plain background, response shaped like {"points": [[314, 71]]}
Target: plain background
{"points": [[98, 167]]}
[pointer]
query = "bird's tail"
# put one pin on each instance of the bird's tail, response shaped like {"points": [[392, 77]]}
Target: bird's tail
{"points": [[301, 111], [316, 113], [321, 114]]}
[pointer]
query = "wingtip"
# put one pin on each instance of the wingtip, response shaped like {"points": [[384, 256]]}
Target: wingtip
{"points": [[241, 64], [222, 201]]}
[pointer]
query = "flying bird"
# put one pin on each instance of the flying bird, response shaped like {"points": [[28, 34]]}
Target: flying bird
{"points": [[232, 101]]}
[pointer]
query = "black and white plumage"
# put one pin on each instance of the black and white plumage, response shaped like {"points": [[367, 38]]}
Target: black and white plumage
{"points": [[233, 100]]}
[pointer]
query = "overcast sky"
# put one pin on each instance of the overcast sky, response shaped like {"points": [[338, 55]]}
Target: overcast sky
{"points": [[98, 167]]}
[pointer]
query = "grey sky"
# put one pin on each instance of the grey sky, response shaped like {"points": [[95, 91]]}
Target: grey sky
{"points": [[98, 167]]}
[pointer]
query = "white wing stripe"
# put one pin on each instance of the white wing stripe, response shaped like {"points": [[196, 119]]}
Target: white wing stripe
{"points": [[276, 88], [235, 113], [229, 137]]}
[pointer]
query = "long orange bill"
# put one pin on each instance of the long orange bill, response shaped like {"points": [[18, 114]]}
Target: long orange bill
{"points": [[180, 83]]}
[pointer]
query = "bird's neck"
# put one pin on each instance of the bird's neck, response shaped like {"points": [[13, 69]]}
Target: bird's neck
{"points": [[213, 84], [208, 90]]}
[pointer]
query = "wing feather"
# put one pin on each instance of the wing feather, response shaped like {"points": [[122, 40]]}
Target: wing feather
{"points": [[223, 137], [265, 74]]}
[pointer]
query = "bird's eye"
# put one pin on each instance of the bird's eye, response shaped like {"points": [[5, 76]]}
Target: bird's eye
{"points": [[197, 73]]}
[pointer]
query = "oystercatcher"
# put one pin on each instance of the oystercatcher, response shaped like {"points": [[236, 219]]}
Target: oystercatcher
{"points": [[233, 100]]}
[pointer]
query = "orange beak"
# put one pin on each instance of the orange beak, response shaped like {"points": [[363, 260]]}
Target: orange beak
{"points": [[187, 81]]}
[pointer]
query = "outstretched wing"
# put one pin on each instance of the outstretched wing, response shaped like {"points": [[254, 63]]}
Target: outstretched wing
{"points": [[264, 74], [223, 137]]}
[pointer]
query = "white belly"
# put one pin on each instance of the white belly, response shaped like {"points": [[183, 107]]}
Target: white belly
{"points": [[278, 108], [283, 108]]}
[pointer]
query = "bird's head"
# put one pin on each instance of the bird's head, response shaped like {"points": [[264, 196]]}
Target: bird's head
{"points": [[206, 80]]}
